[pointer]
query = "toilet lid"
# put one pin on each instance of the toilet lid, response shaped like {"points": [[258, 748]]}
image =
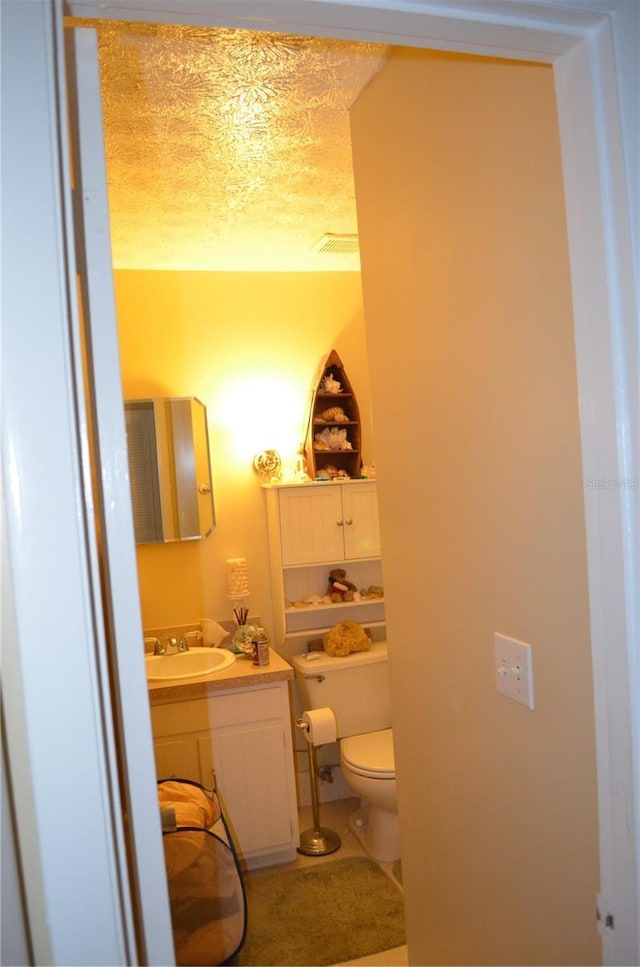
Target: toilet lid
{"points": [[370, 754]]}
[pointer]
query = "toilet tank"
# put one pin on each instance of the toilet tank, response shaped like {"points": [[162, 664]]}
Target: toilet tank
{"points": [[355, 687]]}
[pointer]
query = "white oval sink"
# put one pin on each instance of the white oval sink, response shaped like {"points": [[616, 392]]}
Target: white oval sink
{"points": [[188, 664]]}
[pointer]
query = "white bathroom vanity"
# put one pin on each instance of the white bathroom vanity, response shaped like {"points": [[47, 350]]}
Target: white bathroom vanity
{"points": [[232, 730]]}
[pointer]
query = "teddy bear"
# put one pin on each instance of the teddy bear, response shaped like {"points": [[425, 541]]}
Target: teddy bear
{"points": [[340, 589]]}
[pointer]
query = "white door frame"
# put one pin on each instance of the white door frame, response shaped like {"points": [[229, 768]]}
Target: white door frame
{"points": [[120, 596], [60, 756], [50, 648]]}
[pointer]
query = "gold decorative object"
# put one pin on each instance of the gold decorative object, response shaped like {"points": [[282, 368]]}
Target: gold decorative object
{"points": [[268, 463]]}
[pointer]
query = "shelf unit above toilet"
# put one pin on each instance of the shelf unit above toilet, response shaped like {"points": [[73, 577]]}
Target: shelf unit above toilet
{"points": [[314, 528]]}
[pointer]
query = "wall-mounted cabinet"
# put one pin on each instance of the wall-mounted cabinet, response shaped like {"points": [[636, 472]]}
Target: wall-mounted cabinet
{"points": [[313, 528], [328, 523], [169, 469]]}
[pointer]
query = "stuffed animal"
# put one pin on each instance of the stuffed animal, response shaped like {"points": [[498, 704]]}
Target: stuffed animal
{"points": [[340, 589]]}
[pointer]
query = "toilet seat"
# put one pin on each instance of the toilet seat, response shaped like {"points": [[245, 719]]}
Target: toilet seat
{"points": [[370, 754]]}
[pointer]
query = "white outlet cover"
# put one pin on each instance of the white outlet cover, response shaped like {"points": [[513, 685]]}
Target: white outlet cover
{"points": [[514, 669]]}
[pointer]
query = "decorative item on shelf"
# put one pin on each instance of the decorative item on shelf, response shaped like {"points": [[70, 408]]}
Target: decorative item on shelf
{"points": [[241, 643], [340, 588], [332, 437], [331, 385], [250, 640], [344, 638], [315, 644], [260, 647], [331, 472], [301, 471], [237, 579], [237, 591], [213, 634], [335, 414], [268, 464], [241, 615]]}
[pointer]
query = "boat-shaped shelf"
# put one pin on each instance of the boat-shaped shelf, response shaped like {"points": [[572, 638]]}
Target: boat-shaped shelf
{"points": [[333, 439]]}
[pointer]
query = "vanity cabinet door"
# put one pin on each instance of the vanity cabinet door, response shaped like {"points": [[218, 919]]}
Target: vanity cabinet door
{"points": [[177, 755], [253, 761], [252, 776]]}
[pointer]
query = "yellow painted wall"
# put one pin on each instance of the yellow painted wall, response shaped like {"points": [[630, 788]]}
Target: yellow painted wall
{"points": [[470, 335], [247, 345]]}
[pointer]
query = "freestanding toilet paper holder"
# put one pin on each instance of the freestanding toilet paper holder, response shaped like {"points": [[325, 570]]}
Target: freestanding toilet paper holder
{"points": [[317, 840]]}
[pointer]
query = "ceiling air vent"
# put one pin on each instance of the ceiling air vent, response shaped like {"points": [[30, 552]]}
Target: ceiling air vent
{"points": [[337, 245]]}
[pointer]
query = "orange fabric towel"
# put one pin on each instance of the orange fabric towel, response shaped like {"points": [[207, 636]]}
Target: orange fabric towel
{"points": [[192, 805]]}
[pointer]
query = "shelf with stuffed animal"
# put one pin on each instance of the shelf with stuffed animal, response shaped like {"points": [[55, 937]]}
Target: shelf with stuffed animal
{"points": [[340, 590]]}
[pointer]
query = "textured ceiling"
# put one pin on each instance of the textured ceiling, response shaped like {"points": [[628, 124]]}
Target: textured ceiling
{"points": [[229, 150]]}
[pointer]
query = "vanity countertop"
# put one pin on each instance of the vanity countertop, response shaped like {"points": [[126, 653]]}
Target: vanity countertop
{"points": [[242, 674]]}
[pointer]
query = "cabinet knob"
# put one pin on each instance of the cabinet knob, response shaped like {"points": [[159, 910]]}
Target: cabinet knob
{"points": [[349, 521], [340, 523]]}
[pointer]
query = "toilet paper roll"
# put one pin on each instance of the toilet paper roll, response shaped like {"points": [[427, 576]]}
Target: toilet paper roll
{"points": [[321, 726]]}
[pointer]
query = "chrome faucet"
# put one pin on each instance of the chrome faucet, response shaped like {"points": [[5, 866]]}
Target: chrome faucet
{"points": [[173, 646], [156, 645]]}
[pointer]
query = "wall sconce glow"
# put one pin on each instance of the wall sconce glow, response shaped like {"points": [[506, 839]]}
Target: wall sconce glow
{"points": [[262, 413]]}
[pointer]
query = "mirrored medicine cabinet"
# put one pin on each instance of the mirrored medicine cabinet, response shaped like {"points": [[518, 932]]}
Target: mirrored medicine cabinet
{"points": [[169, 469]]}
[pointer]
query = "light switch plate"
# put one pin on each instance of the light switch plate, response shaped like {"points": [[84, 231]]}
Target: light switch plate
{"points": [[514, 669]]}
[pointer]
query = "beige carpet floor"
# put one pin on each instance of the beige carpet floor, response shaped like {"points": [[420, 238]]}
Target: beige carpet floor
{"points": [[312, 917]]}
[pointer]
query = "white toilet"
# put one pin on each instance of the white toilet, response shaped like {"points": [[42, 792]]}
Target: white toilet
{"points": [[356, 689]]}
